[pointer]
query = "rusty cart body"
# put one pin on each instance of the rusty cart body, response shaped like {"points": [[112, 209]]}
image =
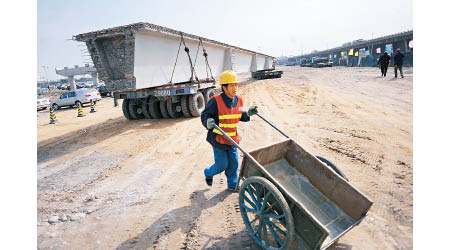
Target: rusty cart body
{"points": [[292, 199]]}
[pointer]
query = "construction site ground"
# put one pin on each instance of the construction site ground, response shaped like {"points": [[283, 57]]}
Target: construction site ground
{"points": [[106, 182]]}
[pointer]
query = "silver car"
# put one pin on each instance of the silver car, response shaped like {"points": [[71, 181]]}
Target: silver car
{"points": [[72, 98]]}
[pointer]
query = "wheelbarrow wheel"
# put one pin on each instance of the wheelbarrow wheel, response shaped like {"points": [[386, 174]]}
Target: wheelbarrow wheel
{"points": [[331, 165], [266, 213]]}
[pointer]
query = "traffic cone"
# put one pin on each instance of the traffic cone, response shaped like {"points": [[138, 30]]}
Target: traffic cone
{"points": [[52, 116], [80, 110], [93, 107]]}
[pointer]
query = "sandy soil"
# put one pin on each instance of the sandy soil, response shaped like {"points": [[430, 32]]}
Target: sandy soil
{"points": [[140, 184]]}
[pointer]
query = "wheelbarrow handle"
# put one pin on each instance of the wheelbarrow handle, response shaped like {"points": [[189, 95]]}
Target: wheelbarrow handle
{"points": [[272, 125], [231, 140], [240, 148]]}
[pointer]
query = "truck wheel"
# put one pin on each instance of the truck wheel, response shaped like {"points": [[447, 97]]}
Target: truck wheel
{"points": [[209, 93], [153, 106], [174, 109], [135, 108], [163, 108], [146, 108], [125, 108], [185, 106], [196, 104]]}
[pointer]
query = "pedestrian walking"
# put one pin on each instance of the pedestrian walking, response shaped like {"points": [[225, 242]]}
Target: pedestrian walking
{"points": [[398, 62], [384, 63], [226, 110]]}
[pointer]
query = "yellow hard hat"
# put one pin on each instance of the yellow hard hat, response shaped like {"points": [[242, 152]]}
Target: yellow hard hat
{"points": [[228, 76]]}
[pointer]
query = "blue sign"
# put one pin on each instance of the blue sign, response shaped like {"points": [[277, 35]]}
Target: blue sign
{"points": [[388, 47]]}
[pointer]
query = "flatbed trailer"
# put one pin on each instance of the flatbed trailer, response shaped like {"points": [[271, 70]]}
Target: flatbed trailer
{"points": [[267, 74]]}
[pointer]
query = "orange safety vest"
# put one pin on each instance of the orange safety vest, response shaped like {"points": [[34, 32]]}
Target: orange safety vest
{"points": [[228, 120]]}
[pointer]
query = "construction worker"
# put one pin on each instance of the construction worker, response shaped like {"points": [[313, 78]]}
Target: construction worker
{"points": [[384, 63], [398, 62], [226, 110]]}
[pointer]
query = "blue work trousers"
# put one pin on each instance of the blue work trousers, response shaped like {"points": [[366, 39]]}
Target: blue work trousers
{"points": [[224, 160]]}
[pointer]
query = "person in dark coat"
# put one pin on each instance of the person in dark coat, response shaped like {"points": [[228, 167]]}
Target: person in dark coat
{"points": [[384, 63], [398, 62]]}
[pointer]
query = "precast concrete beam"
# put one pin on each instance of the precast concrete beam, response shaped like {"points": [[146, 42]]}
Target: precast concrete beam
{"points": [[142, 55]]}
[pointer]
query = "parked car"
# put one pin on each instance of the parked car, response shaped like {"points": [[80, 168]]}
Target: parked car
{"points": [[88, 84], [42, 103], [63, 86], [80, 85], [72, 98], [103, 91]]}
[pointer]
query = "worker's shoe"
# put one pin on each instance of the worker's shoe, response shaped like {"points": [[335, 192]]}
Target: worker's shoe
{"points": [[209, 181]]}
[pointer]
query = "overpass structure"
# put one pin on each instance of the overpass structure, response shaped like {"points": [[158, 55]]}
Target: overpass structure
{"points": [[70, 73], [365, 52]]}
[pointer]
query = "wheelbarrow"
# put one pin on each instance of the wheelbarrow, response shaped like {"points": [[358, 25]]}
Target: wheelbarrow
{"points": [[291, 199]]}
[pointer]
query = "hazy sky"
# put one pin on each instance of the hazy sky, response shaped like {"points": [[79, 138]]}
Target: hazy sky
{"points": [[284, 27]]}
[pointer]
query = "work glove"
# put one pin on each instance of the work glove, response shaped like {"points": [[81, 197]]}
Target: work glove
{"points": [[210, 123], [253, 110]]}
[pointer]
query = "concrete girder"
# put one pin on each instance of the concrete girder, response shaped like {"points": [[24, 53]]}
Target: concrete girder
{"points": [[143, 55]]}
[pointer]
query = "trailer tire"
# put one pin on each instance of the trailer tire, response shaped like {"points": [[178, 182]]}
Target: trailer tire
{"points": [[163, 108], [196, 104], [146, 108], [209, 93], [153, 106], [174, 109], [185, 106], [331, 165], [135, 108], [125, 108]]}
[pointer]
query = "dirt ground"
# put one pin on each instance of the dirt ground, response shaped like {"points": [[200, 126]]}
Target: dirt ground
{"points": [[140, 184]]}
